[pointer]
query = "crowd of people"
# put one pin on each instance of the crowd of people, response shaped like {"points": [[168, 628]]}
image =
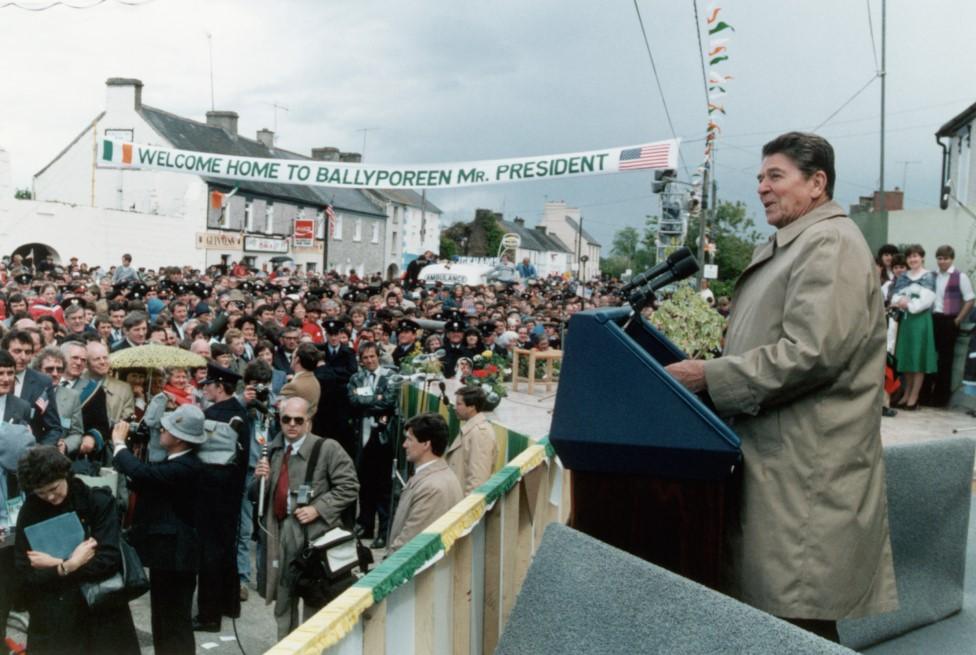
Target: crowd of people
{"points": [[301, 368]]}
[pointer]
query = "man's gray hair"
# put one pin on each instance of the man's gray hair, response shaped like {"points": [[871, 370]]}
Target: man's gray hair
{"points": [[49, 352]]}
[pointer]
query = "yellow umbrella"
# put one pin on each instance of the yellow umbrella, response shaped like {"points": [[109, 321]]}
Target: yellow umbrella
{"points": [[154, 355]]}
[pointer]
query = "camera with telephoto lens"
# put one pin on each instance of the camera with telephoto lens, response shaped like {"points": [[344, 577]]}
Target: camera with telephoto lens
{"points": [[261, 392]]}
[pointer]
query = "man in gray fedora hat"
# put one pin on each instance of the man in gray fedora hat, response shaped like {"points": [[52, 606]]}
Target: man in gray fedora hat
{"points": [[164, 530]]}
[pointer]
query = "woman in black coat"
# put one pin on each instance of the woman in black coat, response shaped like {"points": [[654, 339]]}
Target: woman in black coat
{"points": [[60, 620]]}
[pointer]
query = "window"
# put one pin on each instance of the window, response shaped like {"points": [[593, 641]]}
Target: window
{"points": [[301, 212], [320, 224], [248, 215], [269, 218], [337, 230], [396, 214], [375, 238], [357, 234], [224, 220], [393, 244]]}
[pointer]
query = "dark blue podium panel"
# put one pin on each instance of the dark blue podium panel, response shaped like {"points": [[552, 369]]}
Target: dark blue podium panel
{"points": [[618, 411]]}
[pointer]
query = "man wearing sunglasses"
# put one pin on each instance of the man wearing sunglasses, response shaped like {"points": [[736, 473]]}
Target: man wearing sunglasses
{"points": [[74, 442], [294, 512]]}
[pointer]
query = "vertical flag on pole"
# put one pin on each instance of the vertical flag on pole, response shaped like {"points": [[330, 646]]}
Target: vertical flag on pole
{"points": [[330, 214]]}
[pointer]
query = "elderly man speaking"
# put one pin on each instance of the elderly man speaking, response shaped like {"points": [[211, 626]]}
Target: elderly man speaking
{"points": [[802, 376]]}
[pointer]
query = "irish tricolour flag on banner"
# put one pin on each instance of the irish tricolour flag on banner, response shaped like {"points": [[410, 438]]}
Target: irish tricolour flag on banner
{"points": [[116, 152]]}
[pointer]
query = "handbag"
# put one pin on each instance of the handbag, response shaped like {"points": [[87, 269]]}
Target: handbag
{"points": [[324, 568], [118, 589]]}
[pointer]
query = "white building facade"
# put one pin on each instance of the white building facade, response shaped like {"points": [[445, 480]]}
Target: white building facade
{"points": [[566, 223]]}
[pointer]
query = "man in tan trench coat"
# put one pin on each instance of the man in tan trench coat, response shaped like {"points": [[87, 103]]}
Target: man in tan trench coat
{"points": [[801, 375]]}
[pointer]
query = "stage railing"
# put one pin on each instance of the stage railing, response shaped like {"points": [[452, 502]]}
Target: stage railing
{"points": [[452, 587]]}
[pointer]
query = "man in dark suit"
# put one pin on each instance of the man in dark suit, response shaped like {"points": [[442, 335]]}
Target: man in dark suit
{"points": [[136, 329], [35, 388], [288, 344], [338, 365], [218, 509], [373, 401], [18, 412], [164, 528]]}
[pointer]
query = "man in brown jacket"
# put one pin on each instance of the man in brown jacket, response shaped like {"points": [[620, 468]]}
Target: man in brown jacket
{"points": [[334, 488], [473, 453], [433, 489], [304, 383], [802, 376]]}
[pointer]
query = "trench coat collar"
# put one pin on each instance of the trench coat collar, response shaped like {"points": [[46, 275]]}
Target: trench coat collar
{"points": [[437, 465], [786, 235], [305, 450]]}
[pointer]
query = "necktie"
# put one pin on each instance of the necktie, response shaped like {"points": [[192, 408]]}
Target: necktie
{"points": [[281, 490]]}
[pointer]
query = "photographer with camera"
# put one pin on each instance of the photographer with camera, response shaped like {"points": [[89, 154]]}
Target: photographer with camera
{"points": [[259, 401], [299, 512]]}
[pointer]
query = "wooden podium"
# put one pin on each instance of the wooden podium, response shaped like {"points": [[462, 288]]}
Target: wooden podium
{"points": [[653, 467]]}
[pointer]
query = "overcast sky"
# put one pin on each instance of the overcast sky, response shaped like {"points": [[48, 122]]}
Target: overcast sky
{"points": [[456, 81]]}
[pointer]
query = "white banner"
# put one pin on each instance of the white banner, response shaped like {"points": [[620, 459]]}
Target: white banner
{"points": [[120, 154]]}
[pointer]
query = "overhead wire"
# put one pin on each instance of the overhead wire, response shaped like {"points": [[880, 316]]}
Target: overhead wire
{"points": [[846, 102], [660, 89], [41, 6], [874, 47]]}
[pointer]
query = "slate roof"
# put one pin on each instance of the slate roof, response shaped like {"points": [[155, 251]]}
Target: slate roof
{"points": [[187, 134], [958, 121], [533, 239], [586, 235], [407, 197]]}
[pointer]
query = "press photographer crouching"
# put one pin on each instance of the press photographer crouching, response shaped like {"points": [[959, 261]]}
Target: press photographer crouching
{"points": [[164, 531], [58, 512]]}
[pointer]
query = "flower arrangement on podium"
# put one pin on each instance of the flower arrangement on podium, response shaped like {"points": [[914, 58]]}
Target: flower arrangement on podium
{"points": [[418, 362], [489, 371]]}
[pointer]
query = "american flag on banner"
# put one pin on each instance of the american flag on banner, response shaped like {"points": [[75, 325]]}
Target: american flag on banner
{"points": [[652, 156], [331, 217]]}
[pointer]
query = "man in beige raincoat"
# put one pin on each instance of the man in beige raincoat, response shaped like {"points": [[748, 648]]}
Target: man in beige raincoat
{"points": [[802, 377]]}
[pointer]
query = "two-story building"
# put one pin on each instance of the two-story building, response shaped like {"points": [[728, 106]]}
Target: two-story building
{"points": [[566, 222], [413, 226], [210, 220]]}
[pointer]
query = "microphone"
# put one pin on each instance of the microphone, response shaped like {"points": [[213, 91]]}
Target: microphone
{"points": [[681, 269], [437, 354], [443, 388], [668, 264]]}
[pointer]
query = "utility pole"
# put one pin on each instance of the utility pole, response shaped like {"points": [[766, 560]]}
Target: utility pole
{"points": [[881, 193], [365, 130], [579, 248], [703, 216], [213, 105], [904, 174]]}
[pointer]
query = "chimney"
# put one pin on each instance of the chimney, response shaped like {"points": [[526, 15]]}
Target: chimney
{"points": [[541, 228], [224, 119], [325, 154], [123, 94], [266, 137], [519, 221], [350, 157]]}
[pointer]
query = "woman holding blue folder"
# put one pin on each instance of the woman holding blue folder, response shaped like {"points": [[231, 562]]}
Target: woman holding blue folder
{"points": [[63, 514]]}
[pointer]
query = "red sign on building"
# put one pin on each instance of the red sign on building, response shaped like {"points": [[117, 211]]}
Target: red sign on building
{"points": [[304, 236]]}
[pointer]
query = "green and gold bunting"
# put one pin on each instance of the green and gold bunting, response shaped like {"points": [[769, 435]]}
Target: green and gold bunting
{"points": [[717, 56]]}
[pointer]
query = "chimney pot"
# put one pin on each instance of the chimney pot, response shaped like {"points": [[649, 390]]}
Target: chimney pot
{"points": [[325, 154], [224, 119], [519, 221], [118, 87], [266, 137]]}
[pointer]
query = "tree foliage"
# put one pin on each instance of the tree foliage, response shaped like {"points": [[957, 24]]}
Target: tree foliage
{"points": [[735, 237], [23, 194]]}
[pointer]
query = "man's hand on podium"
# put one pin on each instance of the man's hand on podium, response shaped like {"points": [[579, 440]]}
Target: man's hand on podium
{"points": [[690, 373]]}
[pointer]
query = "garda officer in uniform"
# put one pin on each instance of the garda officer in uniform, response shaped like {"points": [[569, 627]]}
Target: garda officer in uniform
{"points": [[454, 346], [333, 414], [218, 510]]}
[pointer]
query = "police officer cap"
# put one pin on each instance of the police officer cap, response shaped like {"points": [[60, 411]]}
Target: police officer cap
{"points": [[333, 326], [24, 278], [454, 326], [217, 373], [409, 325]]}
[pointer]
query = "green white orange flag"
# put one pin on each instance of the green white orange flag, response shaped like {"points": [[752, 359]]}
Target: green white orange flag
{"points": [[116, 152]]}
